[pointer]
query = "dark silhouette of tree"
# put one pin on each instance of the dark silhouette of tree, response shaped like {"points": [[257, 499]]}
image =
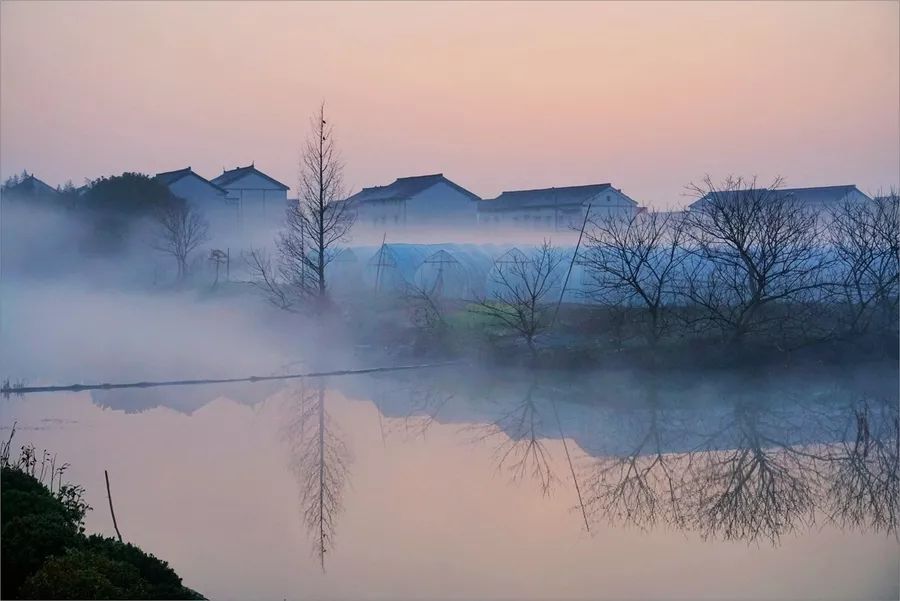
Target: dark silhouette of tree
{"points": [[113, 206], [748, 486], [759, 259], [522, 285], [181, 229], [634, 262], [645, 485], [863, 489], [314, 226], [520, 437], [865, 237], [320, 459]]}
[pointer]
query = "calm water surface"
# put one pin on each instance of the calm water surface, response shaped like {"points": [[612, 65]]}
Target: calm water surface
{"points": [[447, 485]]}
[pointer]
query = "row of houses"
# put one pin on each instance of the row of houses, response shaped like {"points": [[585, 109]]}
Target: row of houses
{"points": [[247, 196], [434, 200]]}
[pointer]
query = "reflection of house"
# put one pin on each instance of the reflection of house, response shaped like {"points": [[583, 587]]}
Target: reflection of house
{"points": [[817, 199], [186, 184], [553, 208], [419, 200], [256, 194]]}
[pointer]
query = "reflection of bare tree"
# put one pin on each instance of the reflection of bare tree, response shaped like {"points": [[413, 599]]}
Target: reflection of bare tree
{"points": [[426, 402], [642, 486], [320, 460], [760, 488], [521, 447], [864, 486]]}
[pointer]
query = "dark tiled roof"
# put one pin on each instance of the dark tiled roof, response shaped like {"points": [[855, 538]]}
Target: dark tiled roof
{"points": [[32, 186], [233, 175], [544, 197], [820, 194], [406, 187], [812, 195], [170, 177]]}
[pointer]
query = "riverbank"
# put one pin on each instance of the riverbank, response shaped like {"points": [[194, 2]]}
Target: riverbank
{"points": [[45, 552]]}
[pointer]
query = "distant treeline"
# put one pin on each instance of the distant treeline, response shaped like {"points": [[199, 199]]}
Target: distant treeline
{"points": [[107, 217]]}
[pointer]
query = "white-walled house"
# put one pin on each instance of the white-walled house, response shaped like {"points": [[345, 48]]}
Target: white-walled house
{"points": [[553, 208], [257, 196], [819, 199], [423, 200], [209, 199]]}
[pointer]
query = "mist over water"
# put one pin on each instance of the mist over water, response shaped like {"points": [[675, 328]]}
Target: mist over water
{"points": [[332, 372], [476, 480]]}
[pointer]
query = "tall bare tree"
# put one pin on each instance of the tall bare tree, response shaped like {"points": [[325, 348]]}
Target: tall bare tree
{"points": [[314, 226], [634, 262], [865, 237], [758, 258], [521, 289], [181, 229]]}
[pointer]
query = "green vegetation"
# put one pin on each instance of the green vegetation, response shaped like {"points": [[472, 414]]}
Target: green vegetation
{"points": [[112, 206], [45, 553]]}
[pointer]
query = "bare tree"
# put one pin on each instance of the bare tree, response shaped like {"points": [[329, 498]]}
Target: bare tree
{"points": [[521, 289], [865, 237], [642, 486], [634, 262], [273, 279], [181, 229], [321, 460], [864, 483], [521, 441], [758, 260], [755, 488], [314, 226]]}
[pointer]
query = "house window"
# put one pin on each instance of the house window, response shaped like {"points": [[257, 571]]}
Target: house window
{"points": [[608, 199]]}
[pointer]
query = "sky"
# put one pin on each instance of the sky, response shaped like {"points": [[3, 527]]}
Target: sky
{"points": [[500, 96]]}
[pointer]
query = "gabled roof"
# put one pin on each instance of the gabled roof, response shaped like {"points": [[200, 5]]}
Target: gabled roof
{"points": [[821, 194], [406, 187], [170, 177], [32, 186], [545, 197], [233, 175], [811, 195]]}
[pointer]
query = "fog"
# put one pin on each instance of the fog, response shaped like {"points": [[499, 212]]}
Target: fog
{"points": [[580, 440]]}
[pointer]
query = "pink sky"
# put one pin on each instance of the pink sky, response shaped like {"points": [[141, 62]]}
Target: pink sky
{"points": [[648, 96]]}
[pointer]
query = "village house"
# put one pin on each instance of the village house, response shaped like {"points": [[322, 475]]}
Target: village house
{"points": [[257, 196], [31, 188], [553, 208], [199, 191], [414, 201]]}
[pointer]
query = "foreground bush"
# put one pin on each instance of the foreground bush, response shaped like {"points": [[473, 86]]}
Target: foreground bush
{"points": [[45, 554]]}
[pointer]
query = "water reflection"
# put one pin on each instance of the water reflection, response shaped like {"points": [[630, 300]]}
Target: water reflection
{"points": [[320, 459], [748, 463], [732, 459], [865, 479], [446, 487]]}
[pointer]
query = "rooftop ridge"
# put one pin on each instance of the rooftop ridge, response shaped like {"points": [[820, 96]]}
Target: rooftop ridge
{"points": [[551, 188]]}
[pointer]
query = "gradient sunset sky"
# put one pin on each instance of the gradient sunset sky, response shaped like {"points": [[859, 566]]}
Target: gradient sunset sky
{"points": [[648, 96]]}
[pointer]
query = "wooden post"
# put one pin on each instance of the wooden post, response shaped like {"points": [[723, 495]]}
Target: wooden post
{"points": [[380, 262], [111, 510]]}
